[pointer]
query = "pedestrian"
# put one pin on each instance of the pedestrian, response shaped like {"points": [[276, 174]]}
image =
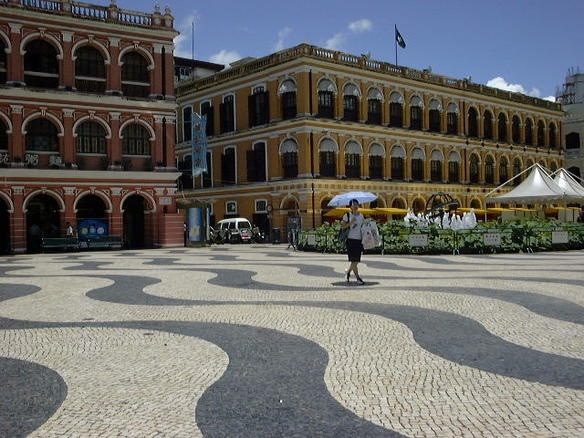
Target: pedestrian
{"points": [[354, 220], [69, 232]]}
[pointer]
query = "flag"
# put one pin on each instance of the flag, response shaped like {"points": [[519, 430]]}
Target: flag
{"points": [[399, 39], [199, 144]]}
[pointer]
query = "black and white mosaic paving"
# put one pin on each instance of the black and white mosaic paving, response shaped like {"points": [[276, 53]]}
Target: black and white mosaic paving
{"points": [[262, 341]]}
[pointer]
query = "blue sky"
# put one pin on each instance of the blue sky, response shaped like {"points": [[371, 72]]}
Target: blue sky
{"points": [[527, 46]]}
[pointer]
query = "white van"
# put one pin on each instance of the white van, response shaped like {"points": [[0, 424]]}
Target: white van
{"points": [[231, 229]]}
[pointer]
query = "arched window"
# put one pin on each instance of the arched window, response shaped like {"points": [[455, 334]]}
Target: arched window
{"points": [[434, 116], [2, 62], [488, 125], [454, 167], [516, 172], [187, 123], [396, 110], [91, 138], [287, 92], [474, 168], [3, 136], [89, 70], [502, 127], [489, 170], [256, 162], [136, 140], [398, 156], [353, 152], [473, 124], [207, 111], [326, 99], [227, 114], [417, 164], [374, 103], [529, 132], [41, 66], [135, 75], [503, 170], [452, 119], [42, 136], [351, 96], [258, 106], [515, 129], [552, 135], [416, 107], [436, 160], [540, 134], [228, 166], [289, 154], [327, 158], [376, 156]]}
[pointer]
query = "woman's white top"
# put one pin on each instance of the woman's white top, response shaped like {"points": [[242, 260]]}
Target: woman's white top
{"points": [[355, 228]]}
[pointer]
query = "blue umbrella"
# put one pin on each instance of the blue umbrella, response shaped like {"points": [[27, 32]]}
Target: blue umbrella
{"points": [[343, 199]]}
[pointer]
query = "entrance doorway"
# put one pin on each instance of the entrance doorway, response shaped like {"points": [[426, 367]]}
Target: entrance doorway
{"points": [[134, 229], [4, 225], [43, 219]]}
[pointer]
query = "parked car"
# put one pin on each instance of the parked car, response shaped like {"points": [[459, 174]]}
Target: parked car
{"points": [[232, 230]]}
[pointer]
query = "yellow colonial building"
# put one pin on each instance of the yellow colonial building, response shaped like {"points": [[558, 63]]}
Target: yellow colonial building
{"points": [[289, 131]]}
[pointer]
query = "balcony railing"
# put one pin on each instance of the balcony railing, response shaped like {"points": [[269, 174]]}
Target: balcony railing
{"points": [[363, 63], [110, 14]]}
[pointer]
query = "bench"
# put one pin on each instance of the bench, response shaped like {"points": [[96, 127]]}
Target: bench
{"points": [[60, 243], [102, 242]]}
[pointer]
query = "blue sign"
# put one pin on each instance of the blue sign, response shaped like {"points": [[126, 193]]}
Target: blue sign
{"points": [[92, 228]]}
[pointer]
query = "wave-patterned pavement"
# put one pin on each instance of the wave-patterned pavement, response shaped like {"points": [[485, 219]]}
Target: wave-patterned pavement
{"points": [[262, 341]]}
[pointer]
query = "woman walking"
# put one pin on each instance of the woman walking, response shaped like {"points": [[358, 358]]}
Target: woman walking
{"points": [[353, 220]]}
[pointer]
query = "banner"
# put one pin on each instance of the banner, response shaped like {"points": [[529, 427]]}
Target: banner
{"points": [[199, 144]]}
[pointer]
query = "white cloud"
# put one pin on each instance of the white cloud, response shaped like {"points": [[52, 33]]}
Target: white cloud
{"points": [[281, 37], [183, 43], [500, 83], [335, 42], [362, 25], [225, 57]]}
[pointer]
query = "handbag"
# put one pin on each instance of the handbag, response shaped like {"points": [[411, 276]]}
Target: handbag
{"points": [[343, 235], [371, 237]]}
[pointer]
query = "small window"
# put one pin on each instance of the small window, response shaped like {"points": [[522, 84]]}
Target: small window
{"points": [[231, 207]]}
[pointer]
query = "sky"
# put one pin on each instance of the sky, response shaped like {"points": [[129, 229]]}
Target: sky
{"points": [[526, 46]]}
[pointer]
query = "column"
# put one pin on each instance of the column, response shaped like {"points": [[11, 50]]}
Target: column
{"points": [[18, 225], [168, 60], [156, 85], [16, 146], [68, 150], [67, 76], [115, 152], [15, 67], [114, 72], [157, 146]]}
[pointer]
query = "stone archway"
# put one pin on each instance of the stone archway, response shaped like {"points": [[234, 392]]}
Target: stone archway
{"points": [[4, 225], [134, 222], [43, 219]]}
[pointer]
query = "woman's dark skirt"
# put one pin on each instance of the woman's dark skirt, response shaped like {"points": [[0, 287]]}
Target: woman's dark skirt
{"points": [[354, 250]]}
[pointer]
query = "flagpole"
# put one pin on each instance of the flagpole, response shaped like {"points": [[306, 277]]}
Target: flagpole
{"points": [[395, 41]]}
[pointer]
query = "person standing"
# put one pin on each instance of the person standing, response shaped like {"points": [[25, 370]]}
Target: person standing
{"points": [[69, 233], [354, 220]]}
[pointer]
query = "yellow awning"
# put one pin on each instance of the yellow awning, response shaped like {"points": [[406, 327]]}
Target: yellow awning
{"points": [[390, 210], [340, 211]]}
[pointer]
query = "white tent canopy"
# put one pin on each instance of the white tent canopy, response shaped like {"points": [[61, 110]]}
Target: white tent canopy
{"points": [[538, 187], [566, 181]]}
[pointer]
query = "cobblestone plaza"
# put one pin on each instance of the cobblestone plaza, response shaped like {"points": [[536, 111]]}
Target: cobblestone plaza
{"points": [[263, 341]]}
